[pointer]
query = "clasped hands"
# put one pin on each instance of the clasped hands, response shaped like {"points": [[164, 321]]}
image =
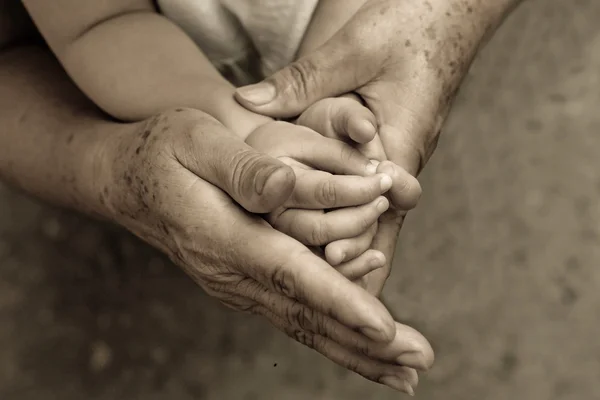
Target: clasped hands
{"points": [[292, 225]]}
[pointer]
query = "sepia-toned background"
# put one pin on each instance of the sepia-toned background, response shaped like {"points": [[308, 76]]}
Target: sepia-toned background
{"points": [[499, 266]]}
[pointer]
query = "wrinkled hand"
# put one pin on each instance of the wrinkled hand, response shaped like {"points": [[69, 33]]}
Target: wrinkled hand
{"points": [[405, 59], [172, 184]]}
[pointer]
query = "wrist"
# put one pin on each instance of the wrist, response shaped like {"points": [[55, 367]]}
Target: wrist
{"points": [[232, 114], [100, 166]]}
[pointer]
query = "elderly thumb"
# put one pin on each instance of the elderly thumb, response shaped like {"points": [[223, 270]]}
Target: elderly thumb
{"points": [[256, 181], [327, 72], [263, 185]]}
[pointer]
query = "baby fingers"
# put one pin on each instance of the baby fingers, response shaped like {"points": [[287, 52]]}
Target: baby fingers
{"points": [[342, 118], [344, 250], [406, 190], [280, 139], [360, 266], [321, 190], [316, 228]]}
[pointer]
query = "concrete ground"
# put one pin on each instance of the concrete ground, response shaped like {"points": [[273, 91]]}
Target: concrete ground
{"points": [[499, 266]]}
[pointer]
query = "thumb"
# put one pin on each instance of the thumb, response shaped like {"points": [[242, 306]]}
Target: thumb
{"points": [[331, 70], [258, 182], [341, 118]]}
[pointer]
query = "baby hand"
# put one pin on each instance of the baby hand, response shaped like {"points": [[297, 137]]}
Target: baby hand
{"points": [[346, 119], [337, 195]]}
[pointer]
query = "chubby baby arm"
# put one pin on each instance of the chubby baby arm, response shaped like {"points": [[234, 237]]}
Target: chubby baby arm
{"points": [[135, 63]]}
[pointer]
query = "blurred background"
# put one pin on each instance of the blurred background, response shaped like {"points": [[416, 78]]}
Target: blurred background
{"points": [[499, 266]]}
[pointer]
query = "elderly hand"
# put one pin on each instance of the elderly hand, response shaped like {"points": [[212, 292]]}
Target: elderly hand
{"points": [[163, 175], [406, 60]]}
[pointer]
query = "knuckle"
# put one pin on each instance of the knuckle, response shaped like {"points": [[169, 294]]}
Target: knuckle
{"points": [[353, 364], [243, 165], [361, 223], [319, 343], [304, 74], [306, 319], [365, 222], [318, 233], [327, 193], [301, 316], [282, 278], [241, 304], [348, 154], [304, 337]]}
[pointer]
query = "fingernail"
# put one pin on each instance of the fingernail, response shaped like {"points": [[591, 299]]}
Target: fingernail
{"points": [[258, 94], [383, 205], [385, 183], [376, 263], [398, 383], [366, 130], [374, 334], [264, 176], [388, 168], [371, 168], [413, 359], [369, 127]]}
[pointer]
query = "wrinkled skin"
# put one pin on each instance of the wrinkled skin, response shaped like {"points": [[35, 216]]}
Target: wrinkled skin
{"points": [[160, 197], [406, 60], [184, 184]]}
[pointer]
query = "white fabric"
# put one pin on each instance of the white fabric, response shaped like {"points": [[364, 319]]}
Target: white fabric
{"points": [[231, 32]]}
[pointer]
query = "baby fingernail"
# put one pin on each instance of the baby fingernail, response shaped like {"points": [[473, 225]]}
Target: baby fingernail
{"points": [[366, 130], [371, 168], [383, 205], [414, 359], [398, 383], [376, 262], [385, 183]]}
